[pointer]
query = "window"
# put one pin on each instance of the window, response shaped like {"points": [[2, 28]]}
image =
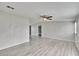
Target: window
{"points": [[75, 27]]}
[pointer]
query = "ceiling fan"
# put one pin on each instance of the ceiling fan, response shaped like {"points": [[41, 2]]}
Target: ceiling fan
{"points": [[10, 7], [46, 17]]}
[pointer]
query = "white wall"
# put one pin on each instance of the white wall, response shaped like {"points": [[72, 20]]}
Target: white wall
{"points": [[77, 35], [13, 30], [35, 29], [59, 30], [62, 30]]}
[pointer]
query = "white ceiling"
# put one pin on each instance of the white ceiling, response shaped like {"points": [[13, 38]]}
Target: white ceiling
{"points": [[61, 11]]}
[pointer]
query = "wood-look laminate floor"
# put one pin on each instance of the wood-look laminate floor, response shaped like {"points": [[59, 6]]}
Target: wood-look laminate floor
{"points": [[42, 47]]}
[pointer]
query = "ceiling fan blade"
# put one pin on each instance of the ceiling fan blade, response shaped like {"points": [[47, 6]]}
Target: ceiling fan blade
{"points": [[49, 19], [43, 16], [50, 16]]}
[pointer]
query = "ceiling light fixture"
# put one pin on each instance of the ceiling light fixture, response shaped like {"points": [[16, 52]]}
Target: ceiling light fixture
{"points": [[46, 19]]}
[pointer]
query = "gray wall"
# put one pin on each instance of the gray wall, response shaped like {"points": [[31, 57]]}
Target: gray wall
{"points": [[61, 30], [13, 30]]}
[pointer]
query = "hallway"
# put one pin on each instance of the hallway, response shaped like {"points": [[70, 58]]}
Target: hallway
{"points": [[42, 47]]}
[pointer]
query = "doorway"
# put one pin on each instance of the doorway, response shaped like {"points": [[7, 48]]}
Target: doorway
{"points": [[39, 30], [30, 31]]}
